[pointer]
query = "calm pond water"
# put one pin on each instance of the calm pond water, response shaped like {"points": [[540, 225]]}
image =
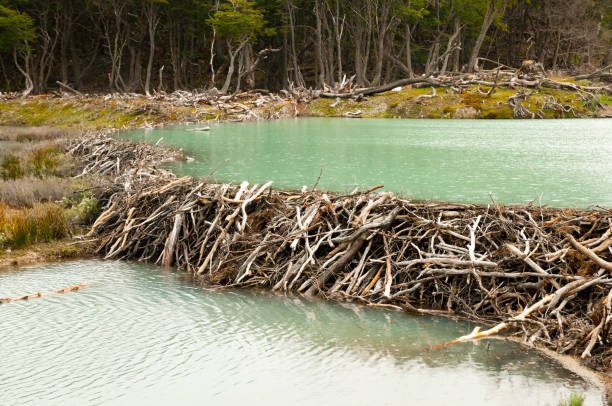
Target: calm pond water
{"points": [[138, 335], [565, 163]]}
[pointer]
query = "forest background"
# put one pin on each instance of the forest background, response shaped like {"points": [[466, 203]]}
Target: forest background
{"points": [[164, 45]]}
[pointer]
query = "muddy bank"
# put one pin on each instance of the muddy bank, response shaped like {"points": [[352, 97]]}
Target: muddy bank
{"points": [[52, 251]]}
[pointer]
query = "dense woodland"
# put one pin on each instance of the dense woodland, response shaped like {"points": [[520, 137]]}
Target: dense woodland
{"points": [[152, 45]]}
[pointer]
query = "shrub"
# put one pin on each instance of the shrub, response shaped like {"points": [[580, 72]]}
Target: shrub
{"points": [[574, 399], [86, 212], [593, 103]]}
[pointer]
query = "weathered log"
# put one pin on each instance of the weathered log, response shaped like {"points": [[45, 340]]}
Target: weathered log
{"points": [[41, 294]]}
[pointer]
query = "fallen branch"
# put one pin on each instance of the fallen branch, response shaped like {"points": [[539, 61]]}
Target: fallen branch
{"points": [[41, 294]]}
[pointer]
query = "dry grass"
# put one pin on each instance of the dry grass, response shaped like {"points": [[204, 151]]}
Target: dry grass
{"points": [[43, 222], [30, 190], [22, 134], [43, 158]]}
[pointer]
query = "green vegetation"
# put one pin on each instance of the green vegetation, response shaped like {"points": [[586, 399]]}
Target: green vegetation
{"points": [[574, 399], [15, 28], [10, 168], [85, 211], [26, 159], [96, 113]]}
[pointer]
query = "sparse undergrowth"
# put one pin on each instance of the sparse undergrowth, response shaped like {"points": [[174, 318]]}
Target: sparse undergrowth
{"points": [[27, 191]]}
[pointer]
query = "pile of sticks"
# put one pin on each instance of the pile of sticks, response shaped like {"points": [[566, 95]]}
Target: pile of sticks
{"points": [[107, 156], [543, 274]]}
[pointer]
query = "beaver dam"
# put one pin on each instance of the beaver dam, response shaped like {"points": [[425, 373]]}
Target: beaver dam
{"points": [[539, 274]]}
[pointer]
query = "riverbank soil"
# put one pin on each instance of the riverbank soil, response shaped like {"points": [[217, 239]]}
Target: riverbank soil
{"points": [[46, 252]]}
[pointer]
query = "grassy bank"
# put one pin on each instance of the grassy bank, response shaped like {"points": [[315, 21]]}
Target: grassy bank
{"points": [[40, 200], [130, 111], [117, 111], [473, 102]]}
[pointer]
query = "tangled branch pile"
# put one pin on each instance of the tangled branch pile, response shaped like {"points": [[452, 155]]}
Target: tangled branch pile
{"points": [[545, 273], [501, 76]]}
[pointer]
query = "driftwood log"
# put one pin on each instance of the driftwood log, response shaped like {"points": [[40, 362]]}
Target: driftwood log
{"points": [[541, 274], [41, 294]]}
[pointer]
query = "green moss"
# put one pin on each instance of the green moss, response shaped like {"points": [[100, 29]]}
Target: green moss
{"points": [[449, 110]]}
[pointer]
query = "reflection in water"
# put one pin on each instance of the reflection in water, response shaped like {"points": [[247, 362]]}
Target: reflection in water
{"points": [[565, 162], [138, 335]]}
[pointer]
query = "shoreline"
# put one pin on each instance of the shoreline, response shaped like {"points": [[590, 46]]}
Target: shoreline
{"points": [[472, 100]]}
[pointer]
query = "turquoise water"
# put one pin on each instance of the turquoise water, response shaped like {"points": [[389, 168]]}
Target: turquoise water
{"points": [[561, 163], [141, 336]]}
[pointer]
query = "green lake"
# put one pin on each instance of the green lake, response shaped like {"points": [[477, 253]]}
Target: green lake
{"points": [[560, 163], [140, 336]]}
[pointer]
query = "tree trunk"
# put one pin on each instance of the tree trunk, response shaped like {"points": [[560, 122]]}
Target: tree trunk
{"points": [[383, 28], [338, 29], [409, 51], [25, 70], [152, 22], [319, 46], [297, 74], [230, 69], [493, 10], [452, 44]]}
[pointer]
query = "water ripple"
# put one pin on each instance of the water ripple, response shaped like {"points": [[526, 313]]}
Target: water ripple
{"points": [[139, 335]]}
